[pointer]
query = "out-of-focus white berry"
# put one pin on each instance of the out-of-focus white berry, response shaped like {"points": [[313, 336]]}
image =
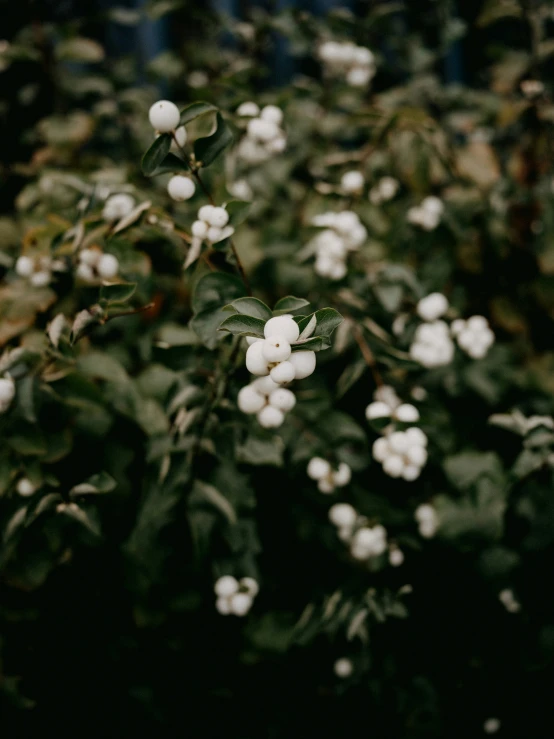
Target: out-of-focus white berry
{"points": [[303, 363], [411, 472], [25, 487], [359, 76], [108, 266], [381, 449], [40, 279], [326, 485], [432, 307], [255, 361], [318, 468], [248, 109], [223, 606], [509, 601], [377, 409], [214, 234], [343, 475], [180, 136], [90, 257], [456, 326], [265, 385], [270, 417], [251, 586], [428, 521], [416, 437], [241, 190], [343, 667], [249, 401], [85, 273], [276, 145], [283, 372], [205, 213], [399, 442], [180, 187], [432, 345], [393, 465], [225, 586], [199, 229], [406, 413], [276, 349], [164, 116], [24, 266], [272, 113], [352, 182], [342, 515], [284, 326], [417, 455], [218, 217], [396, 557], [261, 130], [118, 206], [283, 399], [491, 725], [241, 603]]}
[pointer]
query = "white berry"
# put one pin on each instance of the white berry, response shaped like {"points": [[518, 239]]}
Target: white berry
{"points": [[199, 229], [180, 188], [273, 114], [343, 475], [377, 409], [432, 307], [164, 116], [343, 667], [241, 603], [108, 266], [318, 468], [276, 349], [270, 417], [407, 413], [303, 363], [25, 487], [24, 266], [283, 399], [283, 372], [284, 326], [342, 515], [251, 586], [264, 385], [255, 362], [249, 401], [226, 586], [7, 390], [393, 465]]}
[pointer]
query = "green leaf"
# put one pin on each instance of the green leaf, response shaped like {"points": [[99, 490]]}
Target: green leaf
{"points": [[212, 292], [327, 320], [99, 483], [117, 293], [194, 110], [155, 155], [466, 468], [251, 307], [207, 149], [172, 163], [266, 449], [216, 499], [313, 344], [238, 211], [246, 325], [290, 304]]}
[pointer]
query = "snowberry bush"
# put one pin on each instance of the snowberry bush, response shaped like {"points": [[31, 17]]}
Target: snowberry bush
{"points": [[276, 378]]}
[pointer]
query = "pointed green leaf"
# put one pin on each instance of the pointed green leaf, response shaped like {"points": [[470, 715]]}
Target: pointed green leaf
{"points": [[290, 304], [251, 307], [117, 293], [193, 111], [172, 163], [156, 154], [207, 149], [238, 211], [243, 325]]}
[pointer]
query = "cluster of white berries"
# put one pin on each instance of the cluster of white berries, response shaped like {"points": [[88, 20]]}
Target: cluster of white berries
{"points": [[356, 63], [7, 393], [327, 478], [365, 541], [385, 189], [427, 520], [267, 400], [94, 265], [352, 183], [474, 336], [117, 207], [402, 453], [387, 404], [264, 134], [427, 214], [37, 269], [212, 224], [275, 364], [343, 232], [433, 346], [235, 597]]}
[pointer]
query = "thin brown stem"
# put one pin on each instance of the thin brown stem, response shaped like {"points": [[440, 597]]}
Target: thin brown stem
{"points": [[367, 354]]}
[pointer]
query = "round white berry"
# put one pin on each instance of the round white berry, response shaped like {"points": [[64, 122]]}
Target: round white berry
{"points": [[241, 603], [318, 468], [270, 417], [396, 557], [262, 130], [251, 586], [393, 465], [283, 399], [24, 266], [108, 266], [205, 213], [226, 586], [25, 487], [249, 401], [217, 217], [326, 485], [407, 413], [7, 390], [284, 326], [273, 114], [283, 372], [40, 279], [164, 116], [180, 187], [255, 361], [303, 363], [181, 136], [377, 409], [214, 234], [411, 472], [89, 257], [85, 273], [223, 606], [118, 206], [248, 109], [276, 349], [417, 455], [399, 442], [343, 475], [381, 449], [199, 229], [358, 76], [432, 307], [337, 271], [343, 667], [352, 182], [457, 326], [264, 385], [416, 437], [343, 515]]}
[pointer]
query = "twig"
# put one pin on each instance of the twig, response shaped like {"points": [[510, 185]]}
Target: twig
{"points": [[367, 354]]}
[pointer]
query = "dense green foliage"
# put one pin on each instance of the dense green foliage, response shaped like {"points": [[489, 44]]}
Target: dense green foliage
{"points": [[130, 480]]}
